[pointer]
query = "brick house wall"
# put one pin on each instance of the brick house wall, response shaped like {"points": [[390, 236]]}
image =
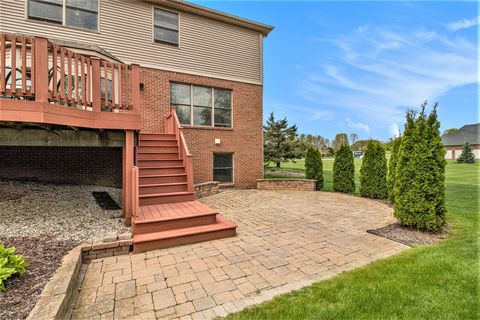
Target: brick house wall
{"points": [[75, 165], [244, 139]]}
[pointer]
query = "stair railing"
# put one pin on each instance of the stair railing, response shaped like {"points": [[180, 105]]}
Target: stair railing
{"points": [[172, 126]]}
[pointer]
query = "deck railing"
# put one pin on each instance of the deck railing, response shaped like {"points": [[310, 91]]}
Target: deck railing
{"points": [[33, 68], [172, 126]]}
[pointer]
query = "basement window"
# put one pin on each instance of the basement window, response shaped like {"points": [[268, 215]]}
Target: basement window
{"points": [[81, 14], [223, 167]]}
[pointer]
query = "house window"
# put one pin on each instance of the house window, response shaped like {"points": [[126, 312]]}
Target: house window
{"points": [[74, 13], [223, 167], [165, 27], [202, 106]]}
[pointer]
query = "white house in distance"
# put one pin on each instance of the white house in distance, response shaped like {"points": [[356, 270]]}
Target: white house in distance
{"points": [[454, 142]]}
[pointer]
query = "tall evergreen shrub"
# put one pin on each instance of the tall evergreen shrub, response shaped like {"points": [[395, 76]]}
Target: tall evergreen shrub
{"points": [[392, 167], [420, 175], [373, 173], [467, 155], [344, 170], [314, 166]]}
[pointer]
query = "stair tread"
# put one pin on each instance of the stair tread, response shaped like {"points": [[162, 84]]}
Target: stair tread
{"points": [[162, 175], [163, 184], [153, 152], [179, 159], [179, 193], [163, 219], [222, 224], [162, 167]]}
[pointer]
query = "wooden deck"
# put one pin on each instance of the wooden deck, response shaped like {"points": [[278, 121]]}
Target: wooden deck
{"points": [[172, 210], [41, 82]]}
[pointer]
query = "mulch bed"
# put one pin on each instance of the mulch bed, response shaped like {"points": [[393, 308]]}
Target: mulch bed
{"points": [[408, 236], [44, 256]]}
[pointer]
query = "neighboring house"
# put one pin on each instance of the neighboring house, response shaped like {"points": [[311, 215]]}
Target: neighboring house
{"points": [[100, 85], [455, 142]]}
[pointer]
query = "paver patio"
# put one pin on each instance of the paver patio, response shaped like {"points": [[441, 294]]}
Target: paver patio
{"points": [[286, 240]]}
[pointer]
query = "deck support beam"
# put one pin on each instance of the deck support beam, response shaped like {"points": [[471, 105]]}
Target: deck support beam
{"points": [[127, 185]]}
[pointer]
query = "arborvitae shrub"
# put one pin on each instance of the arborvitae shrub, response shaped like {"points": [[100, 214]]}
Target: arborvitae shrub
{"points": [[373, 173], [314, 166], [467, 155], [392, 167], [420, 175], [344, 170]]}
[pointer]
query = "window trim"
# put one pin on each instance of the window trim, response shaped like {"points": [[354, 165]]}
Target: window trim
{"points": [[64, 16], [162, 42], [233, 167], [212, 124]]}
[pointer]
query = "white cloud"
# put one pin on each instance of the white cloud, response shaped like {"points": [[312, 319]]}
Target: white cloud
{"points": [[463, 24], [358, 125], [394, 129], [375, 86]]}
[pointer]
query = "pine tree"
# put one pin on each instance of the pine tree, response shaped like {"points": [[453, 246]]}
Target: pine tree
{"points": [[344, 170], [373, 173], [279, 141], [467, 155], [419, 185], [314, 166], [392, 167]]}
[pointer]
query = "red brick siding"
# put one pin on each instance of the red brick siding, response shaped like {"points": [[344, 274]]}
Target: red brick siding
{"points": [[76, 165], [244, 139]]}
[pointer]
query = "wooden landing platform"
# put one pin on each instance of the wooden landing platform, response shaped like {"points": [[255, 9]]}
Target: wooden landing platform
{"points": [[166, 225], [172, 210]]}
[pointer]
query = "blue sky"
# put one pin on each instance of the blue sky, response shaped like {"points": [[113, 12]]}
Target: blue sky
{"points": [[356, 67]]}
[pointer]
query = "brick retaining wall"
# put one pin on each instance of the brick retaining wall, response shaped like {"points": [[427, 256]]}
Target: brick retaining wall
{"points": [[286, 184]]}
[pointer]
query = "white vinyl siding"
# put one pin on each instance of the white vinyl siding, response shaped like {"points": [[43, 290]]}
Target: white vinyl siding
{"points": [[207, 47]]}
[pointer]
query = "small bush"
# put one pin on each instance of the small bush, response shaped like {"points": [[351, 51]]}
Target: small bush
{"points": [[373, 173], [314, 166], [392, 167], [344, 170], [467, 155], [10, 264]]}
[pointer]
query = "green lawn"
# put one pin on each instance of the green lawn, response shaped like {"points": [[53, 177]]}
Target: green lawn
{"points": [[425, 282], [299, 166]]}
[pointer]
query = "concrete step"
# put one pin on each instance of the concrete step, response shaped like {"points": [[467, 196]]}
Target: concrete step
{"points": [[158, 198], [163, 188], [170, 238], [165, 178]]}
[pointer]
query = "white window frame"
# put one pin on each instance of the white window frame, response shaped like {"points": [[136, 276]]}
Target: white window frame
{"points": [[161, 42], [64, 17], [212, 124]]}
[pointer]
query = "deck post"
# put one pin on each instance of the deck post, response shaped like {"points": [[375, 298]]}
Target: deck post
{"points": [[127, 186], [41, 69], [135, 87], [96, 85]]}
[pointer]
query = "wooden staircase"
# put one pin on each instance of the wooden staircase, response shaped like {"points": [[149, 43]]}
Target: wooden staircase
{"points": [[168, 214]]}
